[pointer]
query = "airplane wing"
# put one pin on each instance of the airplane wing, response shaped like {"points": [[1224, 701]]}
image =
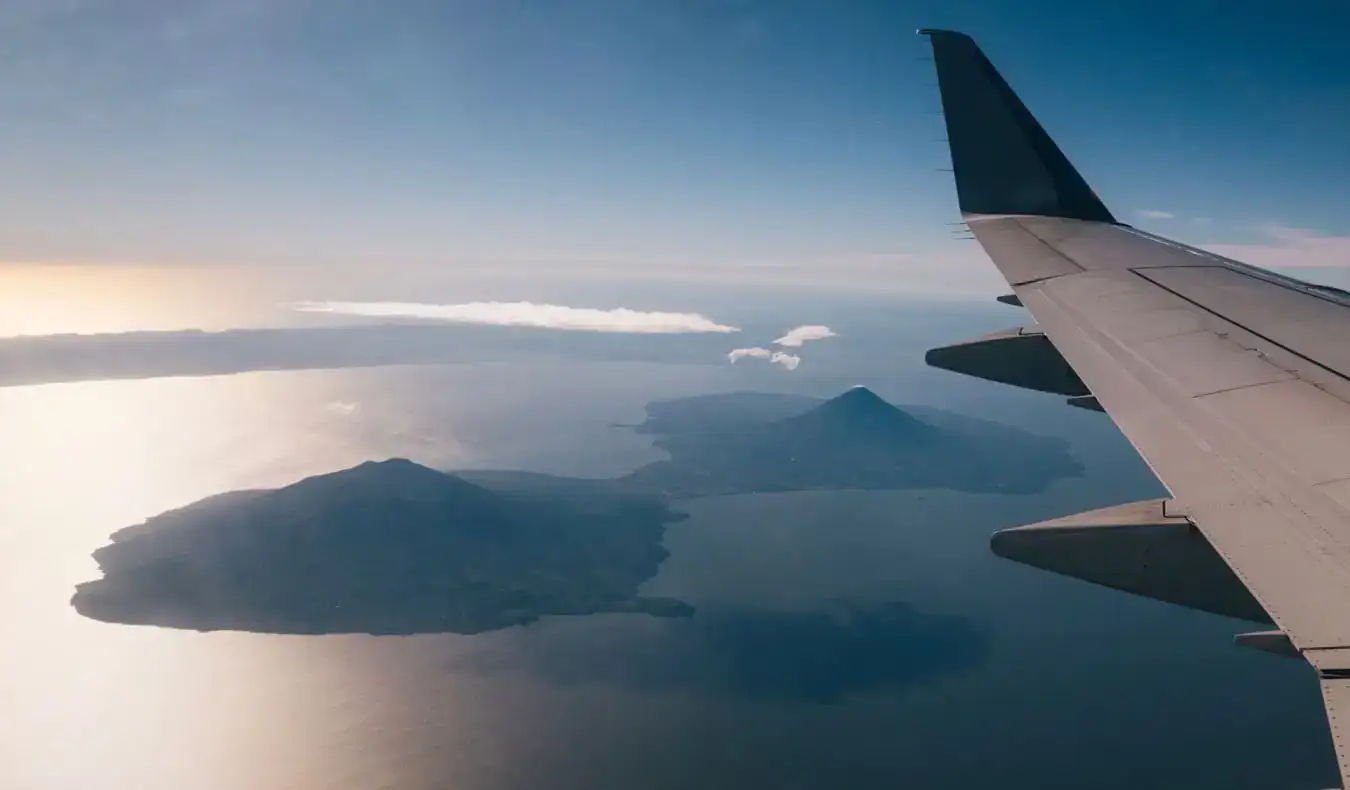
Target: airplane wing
{"points": [[1231, 381]]}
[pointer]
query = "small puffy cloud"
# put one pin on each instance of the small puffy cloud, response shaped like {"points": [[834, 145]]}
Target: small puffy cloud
{"points": [[753, 353], [547, 316], [343, 408], [802, 334], [787, 361], [794, 338], [1154, 214]]}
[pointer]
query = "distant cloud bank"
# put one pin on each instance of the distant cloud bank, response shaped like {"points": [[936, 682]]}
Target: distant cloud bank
{"points": [[1288, 246], [1154, 214], [546, 316]]}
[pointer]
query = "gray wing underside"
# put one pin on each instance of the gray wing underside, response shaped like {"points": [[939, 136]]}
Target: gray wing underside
{"points": [[1232, 382]]}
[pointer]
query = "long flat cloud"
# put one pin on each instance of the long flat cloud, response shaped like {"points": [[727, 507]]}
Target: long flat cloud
{"points": [[547, 316], [44, 359]]}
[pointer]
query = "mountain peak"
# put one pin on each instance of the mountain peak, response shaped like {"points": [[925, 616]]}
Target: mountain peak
{"points": [[860, 409], [400, 468], [393, 478], [859, 393], [858, 401], [392, 466]]}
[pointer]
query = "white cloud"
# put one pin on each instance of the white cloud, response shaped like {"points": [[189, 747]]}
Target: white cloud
{"points": [[786, 360], [1289, 246], [796, 337], [753, 353], [1153, 214], [549, 316]]}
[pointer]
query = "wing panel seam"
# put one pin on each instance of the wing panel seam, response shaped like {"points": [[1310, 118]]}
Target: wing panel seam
{"points": [[1240, 325], [1049, 246], [1240, 387], [1244, 269]]}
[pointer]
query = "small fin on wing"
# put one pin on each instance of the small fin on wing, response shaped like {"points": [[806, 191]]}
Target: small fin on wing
{"points": [[1003, 160]]}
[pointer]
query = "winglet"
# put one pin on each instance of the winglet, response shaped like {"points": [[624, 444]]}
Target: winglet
{"points": [[1003, 160]]}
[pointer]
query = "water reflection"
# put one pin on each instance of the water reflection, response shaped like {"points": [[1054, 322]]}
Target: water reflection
{"points": [[818, 656], [87, 704]]}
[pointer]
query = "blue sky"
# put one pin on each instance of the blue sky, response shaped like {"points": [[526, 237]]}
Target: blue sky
{"points": [[640, 134]]}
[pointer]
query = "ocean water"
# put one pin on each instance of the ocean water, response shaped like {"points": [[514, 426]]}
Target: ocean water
{"points": [[843, 639]]}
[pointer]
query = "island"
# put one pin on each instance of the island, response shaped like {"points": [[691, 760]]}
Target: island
{"points": [[394, 547], [388, 547], [749, 442]]}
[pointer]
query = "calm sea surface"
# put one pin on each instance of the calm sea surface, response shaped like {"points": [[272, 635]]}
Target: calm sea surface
{"points": [[842, 639]]}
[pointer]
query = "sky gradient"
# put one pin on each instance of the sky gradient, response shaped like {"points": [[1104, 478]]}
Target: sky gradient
{"points": [[642, 136]]}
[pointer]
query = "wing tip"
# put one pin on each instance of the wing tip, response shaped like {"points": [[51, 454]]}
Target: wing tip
{"points": [[1004, 162]]}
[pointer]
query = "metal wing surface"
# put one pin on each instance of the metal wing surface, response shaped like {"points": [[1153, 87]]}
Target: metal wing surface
{"points": [[1231, 381]]}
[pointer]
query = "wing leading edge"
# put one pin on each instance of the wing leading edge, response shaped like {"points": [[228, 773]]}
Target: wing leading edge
{"points": [[1232, 382]]}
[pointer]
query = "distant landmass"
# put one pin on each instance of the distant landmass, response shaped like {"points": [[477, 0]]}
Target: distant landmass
{"points": [[393, 547], [754, 442], [383, 548]]}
